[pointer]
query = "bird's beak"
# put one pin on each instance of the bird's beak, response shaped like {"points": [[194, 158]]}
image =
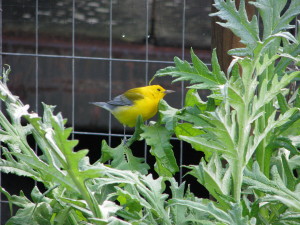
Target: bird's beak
{"points": [[168, 91]]}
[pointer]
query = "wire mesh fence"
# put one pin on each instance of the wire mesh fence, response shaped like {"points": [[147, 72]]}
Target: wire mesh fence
{"points": [[68, 53]]}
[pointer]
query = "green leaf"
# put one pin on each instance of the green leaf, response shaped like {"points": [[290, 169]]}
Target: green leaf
{"points": [[32, 214], [167, 115], [288, 16], [62, 216], [216, 68], [293, 50], [283, 142], [19, 169], [288, 218], [275, 188], [191, 114], [69, 159], [294, 162], [290, 180], [158, 138], [273, 127], [270, 11], [198, 74], [237, 21], [219, 134], [79, 205], [48, 173], [289, 127], [282, 103], [207, 76], [9, 197], [187, 129], [235, 92], [129, 201], [38, 197], [110, 221], [192, 99], [122, 158], [137, 132], [205, 145], [179, 212], [214, 178], [233, 216], [275, 88], [149, 191]]}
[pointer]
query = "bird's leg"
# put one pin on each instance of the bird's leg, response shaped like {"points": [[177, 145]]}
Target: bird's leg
{"points": [[124, 138]]}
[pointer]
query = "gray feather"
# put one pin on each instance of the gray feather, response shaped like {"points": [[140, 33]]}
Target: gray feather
{"points": [[120, 100], [103, 105]]}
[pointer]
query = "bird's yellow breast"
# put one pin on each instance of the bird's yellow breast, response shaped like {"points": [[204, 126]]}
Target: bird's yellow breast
{"points": [[146, 107]]}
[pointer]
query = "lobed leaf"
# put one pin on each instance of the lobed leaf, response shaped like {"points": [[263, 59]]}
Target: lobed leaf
{"points": [[122, 158], [158, 138], [275, 188], [238, 23]]}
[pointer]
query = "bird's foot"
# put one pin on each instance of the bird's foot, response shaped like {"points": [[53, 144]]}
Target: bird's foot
{"points": [[124, 140]]}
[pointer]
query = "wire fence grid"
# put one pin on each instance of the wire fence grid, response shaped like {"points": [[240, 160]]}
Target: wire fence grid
{"points": [[38, 56], [110, 59]]}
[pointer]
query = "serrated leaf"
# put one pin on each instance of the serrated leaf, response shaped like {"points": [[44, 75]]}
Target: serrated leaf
{"points": [[288, 16], [80, 205], [232, 216], [38, 197], [203, 71], [214, 178], [192, 98], [122, 158], [289, 218], [32, 214], [131, 202], [282, 103], [197, 74], [9, 197], [283, 142], [216, 68], [292, 50], [187, 129], [205, 145], [270, 11], [18, 169], [237, 21], [239, 51], [179, 212], [275, 188], [47, 172], [192, 115], [272, 127], [158, 138], [266, 95], [167, 115], [290, 179]]}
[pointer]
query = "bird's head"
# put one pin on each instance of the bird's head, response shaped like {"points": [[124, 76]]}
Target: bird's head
{"points": [[159, 91]]}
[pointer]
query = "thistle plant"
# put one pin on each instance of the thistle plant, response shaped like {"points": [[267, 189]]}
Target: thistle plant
{"points": [[248, 129]]}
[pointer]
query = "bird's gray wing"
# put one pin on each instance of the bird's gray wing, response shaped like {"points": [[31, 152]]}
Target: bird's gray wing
{"points": [[120, 100], [126, 99]]}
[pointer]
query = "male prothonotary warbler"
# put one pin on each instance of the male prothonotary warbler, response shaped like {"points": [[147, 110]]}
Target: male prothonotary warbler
{"points": [[134, 102]]}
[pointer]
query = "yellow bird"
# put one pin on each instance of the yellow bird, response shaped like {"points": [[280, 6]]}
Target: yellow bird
{"points": [[134, 102]]}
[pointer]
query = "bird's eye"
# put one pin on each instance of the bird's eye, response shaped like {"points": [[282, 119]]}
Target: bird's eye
{"points": [[158, 89]]}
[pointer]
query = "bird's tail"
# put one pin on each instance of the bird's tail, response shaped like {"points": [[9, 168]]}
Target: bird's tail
{"points": [[103, 105]]}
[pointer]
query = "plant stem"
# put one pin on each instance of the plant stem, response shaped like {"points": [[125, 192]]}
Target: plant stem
{"points": [[237, 180], [86, 195]]}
